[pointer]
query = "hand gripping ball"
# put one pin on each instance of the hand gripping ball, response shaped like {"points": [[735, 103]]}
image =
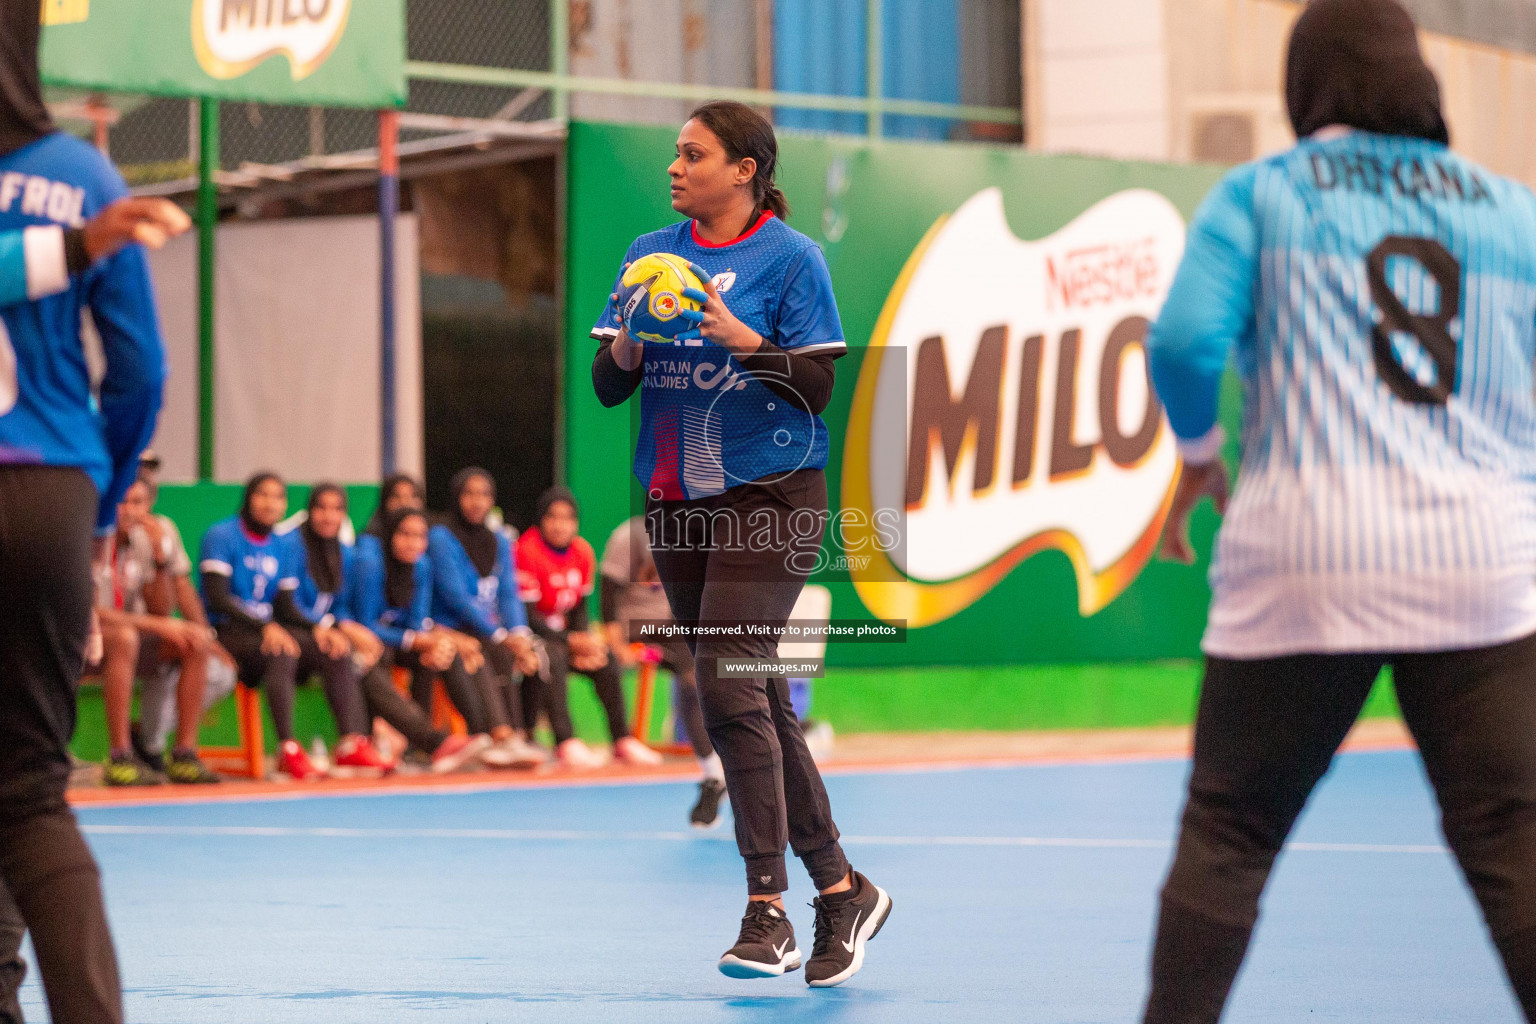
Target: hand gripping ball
{"points": [[651, 299]]}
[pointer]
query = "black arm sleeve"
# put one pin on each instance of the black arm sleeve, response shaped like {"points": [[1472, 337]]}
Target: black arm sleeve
{"points": [[76, 259], [579, 619], [286, 612], [612, 383], [803, 381], [609, 590], [540, 625], [222, 602]]}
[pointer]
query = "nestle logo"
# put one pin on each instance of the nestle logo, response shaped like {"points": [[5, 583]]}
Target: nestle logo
{"points": [[1100, 275]]}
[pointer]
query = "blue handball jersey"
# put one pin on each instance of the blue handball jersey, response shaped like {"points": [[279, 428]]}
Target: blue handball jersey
{"points": [[705, 424], [257, 567], [48, 414], [1380, 293]]}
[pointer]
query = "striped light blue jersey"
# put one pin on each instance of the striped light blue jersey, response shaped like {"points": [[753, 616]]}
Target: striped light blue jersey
{"points": [[1381, 296]]}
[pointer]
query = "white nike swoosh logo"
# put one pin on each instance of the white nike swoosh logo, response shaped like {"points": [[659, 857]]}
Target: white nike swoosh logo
{"points": [[778, 951], [853, 932]]}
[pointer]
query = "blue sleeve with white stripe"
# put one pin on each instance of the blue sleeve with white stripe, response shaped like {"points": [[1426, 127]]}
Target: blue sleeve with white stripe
{"points": [[453, 585], [32, 264], [368, 597], [1210, 307], [122, 302], [808, 319], [421, 603], [219, 554]]}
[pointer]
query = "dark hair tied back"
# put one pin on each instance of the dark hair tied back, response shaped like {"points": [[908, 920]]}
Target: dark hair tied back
{"points": [[746, 133]]}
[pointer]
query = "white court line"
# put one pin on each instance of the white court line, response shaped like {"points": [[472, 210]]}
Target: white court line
{"points": [[575, 835]]}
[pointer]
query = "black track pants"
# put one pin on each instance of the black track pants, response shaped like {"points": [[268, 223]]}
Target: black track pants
{"points": [[713, 573], [607, 681], [46, 520], [1266, 733]]}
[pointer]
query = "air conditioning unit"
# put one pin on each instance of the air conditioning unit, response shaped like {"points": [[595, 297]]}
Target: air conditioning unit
{"points": [[1233, 128]]}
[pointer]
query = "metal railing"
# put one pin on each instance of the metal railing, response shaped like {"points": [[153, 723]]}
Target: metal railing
{"points": [[492, 66]]}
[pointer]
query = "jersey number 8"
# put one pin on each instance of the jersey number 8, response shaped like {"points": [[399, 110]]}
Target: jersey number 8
{"points": [[1433, 330]]}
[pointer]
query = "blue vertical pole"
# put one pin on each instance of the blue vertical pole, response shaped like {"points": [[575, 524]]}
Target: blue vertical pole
{"points": [[389, 207]]}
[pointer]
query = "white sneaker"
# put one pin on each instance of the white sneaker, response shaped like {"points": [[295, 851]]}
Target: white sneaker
{"points": [[632, 751], [819, 739], [457, 751], [513, 752], [497, 756], [573, 753], [524, 754]]}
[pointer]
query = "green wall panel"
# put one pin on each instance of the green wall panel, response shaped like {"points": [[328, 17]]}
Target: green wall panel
{"points": [[877, 200]]}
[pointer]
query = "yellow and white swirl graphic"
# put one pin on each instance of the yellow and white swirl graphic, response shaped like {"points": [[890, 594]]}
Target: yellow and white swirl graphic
{"points": [[231, 37], [1019, 373]]}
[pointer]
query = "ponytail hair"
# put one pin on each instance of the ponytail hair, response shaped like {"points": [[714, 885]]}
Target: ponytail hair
{"points": [[746, 133]]}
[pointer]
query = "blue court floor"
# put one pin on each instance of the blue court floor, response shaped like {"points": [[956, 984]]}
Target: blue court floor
{"points": [[1021, 894]]}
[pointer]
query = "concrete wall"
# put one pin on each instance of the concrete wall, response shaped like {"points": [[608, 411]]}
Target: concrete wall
{"points": [[1139, 78]]}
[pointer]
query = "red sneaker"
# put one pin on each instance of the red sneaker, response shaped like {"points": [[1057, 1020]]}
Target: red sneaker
{"points": [[357, 754], [292, 760], [457, 751]]}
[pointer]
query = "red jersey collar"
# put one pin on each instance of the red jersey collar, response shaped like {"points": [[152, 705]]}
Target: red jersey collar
{"points": [[693, 229], [254, 538]]}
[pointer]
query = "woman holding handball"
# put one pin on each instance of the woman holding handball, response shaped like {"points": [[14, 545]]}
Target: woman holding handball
{"points": [[731, 452]]}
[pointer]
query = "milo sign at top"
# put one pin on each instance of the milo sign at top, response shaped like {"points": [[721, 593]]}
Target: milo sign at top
{"points": [[335, 53], [233, 36]]}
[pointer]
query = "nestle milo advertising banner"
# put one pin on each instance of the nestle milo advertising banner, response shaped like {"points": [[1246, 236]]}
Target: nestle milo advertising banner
{"points": [[1000, 469], [347, 53]]}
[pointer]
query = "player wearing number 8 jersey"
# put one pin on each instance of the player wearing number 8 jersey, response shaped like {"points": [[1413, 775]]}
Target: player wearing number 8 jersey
{"points": [[1380, 293]]}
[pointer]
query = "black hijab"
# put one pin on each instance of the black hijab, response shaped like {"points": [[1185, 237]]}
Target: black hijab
{"points": [[478, 539], [251, 525], [1357, 63], [399, 577], [550, 498], [391, 482], [23, 116], [324, 555]]}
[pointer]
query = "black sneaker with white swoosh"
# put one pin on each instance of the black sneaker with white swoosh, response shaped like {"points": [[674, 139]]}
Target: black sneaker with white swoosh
{"points": [[843, 927], [766, 947]]}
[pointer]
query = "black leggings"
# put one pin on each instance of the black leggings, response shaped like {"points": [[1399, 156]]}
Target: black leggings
{"points": [[463, 689], [607, 681], [712, 574], [402, 713], [676, 658], [1266, 733], [46, 519], [274, 673], [339, 677], [493, 691]]}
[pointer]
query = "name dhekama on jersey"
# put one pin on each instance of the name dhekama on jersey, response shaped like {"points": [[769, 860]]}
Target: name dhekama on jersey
{"points": [[1380, 292]]}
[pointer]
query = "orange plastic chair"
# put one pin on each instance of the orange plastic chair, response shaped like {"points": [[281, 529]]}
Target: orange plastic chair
{"points": [[444, 715], [249, 759], [648, 659]]}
